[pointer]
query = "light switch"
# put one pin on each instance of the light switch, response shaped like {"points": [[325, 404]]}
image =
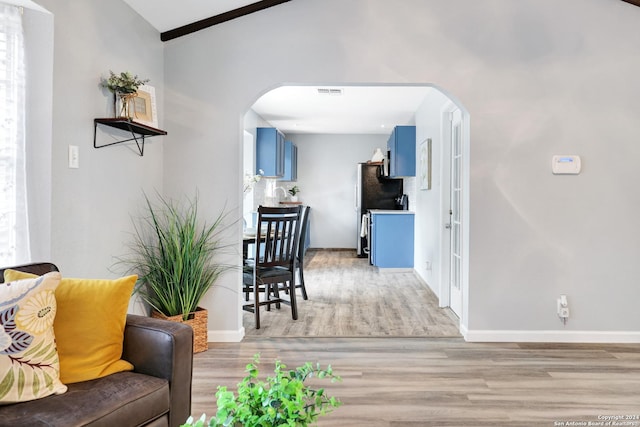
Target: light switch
{"points": [[74, 157]]}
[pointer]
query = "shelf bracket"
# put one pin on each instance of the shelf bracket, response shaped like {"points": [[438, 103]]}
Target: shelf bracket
{"points": [[138, 144], [138, 131]]}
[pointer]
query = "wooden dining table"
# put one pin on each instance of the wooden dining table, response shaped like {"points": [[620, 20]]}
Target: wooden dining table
{"points": [[248, 239]]}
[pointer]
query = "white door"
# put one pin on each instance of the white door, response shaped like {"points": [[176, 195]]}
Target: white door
{"points": [[455, 215]]}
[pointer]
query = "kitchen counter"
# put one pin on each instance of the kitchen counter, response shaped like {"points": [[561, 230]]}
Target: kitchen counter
{"points": [[389, 211]]}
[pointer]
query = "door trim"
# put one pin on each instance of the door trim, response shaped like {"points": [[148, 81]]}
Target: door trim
{"points": [[455, 220], [444, 297]]}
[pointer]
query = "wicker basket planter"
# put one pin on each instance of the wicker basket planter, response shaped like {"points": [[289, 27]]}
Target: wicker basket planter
{"points": [[197, 320]]}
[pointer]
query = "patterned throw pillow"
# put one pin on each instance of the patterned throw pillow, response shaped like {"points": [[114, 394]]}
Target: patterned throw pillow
{"points": [[29, 365], [89, 325]]}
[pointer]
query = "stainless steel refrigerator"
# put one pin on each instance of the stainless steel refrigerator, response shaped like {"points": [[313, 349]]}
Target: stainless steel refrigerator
{"points": [[373, 191]]}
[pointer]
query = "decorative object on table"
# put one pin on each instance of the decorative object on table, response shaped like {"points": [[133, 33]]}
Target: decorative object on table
{"points": [[124, 87], [250, 181], [377, 156], [174, 256], [293, 191], [425, 164], [283, 399]]}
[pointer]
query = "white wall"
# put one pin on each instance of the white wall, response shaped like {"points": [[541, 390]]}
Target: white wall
{"points": [[255, 197], [539, 77], [91, 206], [429, 203], [327, 178]]}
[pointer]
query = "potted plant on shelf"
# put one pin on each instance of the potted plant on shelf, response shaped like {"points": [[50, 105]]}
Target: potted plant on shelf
{"points": [[293, 191], [282, 400], [124, 87], [174, 257]]}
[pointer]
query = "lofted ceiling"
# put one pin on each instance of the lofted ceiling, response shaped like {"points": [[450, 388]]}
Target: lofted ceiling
{"points": [[176, 19], [359, 109], [167, 15]]}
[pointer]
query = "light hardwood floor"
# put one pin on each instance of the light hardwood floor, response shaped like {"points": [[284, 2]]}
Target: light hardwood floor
{"points": [[348, 297], [404, 364], [443, 381]]}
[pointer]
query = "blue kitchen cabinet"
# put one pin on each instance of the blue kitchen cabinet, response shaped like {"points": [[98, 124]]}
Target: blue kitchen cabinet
{"points": [[392, 239], [401, 149], [290, 162], [270, 152]]}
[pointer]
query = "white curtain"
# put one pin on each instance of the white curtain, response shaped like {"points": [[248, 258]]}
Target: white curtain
{"points": [[14, 229]]}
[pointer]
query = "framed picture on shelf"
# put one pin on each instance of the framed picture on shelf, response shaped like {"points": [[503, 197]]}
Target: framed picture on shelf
{"points": [[145, 110], [425, 164]]}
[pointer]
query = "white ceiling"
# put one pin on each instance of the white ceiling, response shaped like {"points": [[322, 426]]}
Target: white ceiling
{"points": [[359, 109], [167, 15], [300, 109]]}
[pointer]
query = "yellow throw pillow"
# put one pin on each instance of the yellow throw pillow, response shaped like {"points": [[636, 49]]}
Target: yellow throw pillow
{"points": [[29, 365], [89, 326]]}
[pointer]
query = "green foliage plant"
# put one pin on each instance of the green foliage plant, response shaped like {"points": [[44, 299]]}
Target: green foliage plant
{"points": [[174, 256], [281, 400], [294, 190], [123, 83]]}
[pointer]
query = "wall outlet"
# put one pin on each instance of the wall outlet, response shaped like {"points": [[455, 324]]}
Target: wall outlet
{"points": [[428, 265], [563, 308]]}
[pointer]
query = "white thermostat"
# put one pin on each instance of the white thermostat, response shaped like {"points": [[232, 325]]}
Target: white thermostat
{"points": [[563, 165]]}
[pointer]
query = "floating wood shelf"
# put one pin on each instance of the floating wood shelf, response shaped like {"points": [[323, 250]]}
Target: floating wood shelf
{"points": [[138, 131]]}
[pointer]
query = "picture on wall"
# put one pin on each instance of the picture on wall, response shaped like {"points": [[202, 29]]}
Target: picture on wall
{"points": [[425, 165], [145, 106]]}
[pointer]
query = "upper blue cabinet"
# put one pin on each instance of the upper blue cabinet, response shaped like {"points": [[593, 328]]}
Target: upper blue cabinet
{"points": [[290, 162], [401, 148], [270, 152]]}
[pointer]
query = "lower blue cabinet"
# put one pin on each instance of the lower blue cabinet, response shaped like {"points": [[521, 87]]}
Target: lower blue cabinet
{"points": [[392, 239]]}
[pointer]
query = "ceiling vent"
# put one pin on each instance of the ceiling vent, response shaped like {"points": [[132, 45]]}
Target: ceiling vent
{"points": [[329, 91]]}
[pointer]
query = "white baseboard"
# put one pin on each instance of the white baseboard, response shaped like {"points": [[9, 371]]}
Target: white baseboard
{"points": [[593, 337], [602, 337], [225, 336]]}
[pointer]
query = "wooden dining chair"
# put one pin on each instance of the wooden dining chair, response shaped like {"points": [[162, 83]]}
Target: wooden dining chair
{"points": [[277, 239], [301, 251]]}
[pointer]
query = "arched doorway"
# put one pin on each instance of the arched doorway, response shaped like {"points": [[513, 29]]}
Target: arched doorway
{"points": [[297, 109]]}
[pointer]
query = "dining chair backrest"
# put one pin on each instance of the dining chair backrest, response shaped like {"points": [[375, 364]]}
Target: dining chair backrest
{"points": [[277, 236], [304, 225]]}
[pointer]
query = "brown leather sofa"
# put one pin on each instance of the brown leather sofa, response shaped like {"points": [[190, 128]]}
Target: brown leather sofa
{"points": [[156, 393]]}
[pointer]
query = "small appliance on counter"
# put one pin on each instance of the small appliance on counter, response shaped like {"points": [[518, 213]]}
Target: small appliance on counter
{"points": [[402, 202]]}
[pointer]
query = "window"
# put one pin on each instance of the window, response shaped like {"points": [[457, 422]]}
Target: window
{"points": [[14, 235]]}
